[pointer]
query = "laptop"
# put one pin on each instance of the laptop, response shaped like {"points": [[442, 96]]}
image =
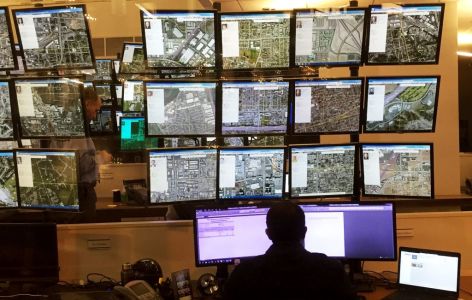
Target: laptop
{"points": [[427, 274]]}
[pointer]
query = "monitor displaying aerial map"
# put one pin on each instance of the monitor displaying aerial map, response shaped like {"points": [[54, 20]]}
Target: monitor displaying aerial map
{"points": [[179, 39], [331, 37], [133, 96], [407, 34], [255, 40], [132, 60], [54, 37], [401, 104], [8, 196], [6, 119], [7, 50], [50, 107], [103, 70]]}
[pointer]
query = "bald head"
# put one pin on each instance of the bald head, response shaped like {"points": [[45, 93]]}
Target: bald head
{"points": [[286, 223]]}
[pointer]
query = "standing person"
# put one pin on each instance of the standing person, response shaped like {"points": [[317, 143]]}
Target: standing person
{"points": [[287, 270]]}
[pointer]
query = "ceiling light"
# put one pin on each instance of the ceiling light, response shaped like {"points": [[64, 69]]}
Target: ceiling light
{"points": [[463, 53], [464, 38]]}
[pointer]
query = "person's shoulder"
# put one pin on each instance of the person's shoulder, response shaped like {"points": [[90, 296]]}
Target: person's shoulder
{"points": [[324, 261]]}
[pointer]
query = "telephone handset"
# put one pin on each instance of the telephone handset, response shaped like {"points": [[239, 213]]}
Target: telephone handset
{"points": [[136, 290]]}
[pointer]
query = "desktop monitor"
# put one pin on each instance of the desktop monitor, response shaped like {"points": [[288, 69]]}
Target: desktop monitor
{"points": [[223, 235], [132, 60], [50, 107], [105, 92], [329, 37], [7, 50], [48, 178], [322, 170], [404, 34], [54, 37], [251, 173], [180, 108], [252, 108], [325, 106], [104, 70], [398, 170], [182, 174], [7, 128], [20, 69], [179, 39], [118, 94], [29, 253], [132, 134], [401, 104], [258, 40], [8, 192], [133, 96], [104, 123]]}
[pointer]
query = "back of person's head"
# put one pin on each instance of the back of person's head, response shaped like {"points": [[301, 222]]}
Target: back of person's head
{"points": [[285, 223]]}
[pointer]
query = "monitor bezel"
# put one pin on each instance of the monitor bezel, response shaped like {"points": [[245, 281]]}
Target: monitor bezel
{"points": [[316, 79], [366, 102], [55, 68], [14, 111], [247, 134], [54, 208], [164, 11], [54, 78], [355, 183], [264, 12], [367, 38], [199, 201], [10, 37], [12, 152], [329, 64], [253, 198], [216, 98], [395, 197], [123, 96], [122, 56]]}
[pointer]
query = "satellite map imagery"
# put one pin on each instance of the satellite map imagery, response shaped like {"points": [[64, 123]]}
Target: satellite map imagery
{"points": [[104, 92], [6, 121], [137, 65], [7, 180], [6, 52], [137, 103], [103, 69], [54, 181]]}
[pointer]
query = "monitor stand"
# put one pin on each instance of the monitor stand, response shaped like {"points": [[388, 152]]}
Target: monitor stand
{"points": [[361, 282]]}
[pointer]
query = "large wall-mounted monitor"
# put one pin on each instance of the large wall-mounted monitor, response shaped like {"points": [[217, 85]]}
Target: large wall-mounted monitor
{"points": [[7, 128], [322, 170], [50, 107], [223, 235], [177, 175], [132, 59], [251, 173], [331, 37], [132, 134], [253, 107], [179, 39], [398, 170], [401, 104], [48, 178], [133, 96], [54, 37], [259, 40], [327, 106], [8, 192], [405, 34], [7, 49], [180, 108]]}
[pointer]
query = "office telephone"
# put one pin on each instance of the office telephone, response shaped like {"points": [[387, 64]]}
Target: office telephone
{"points": [[136, 290]]}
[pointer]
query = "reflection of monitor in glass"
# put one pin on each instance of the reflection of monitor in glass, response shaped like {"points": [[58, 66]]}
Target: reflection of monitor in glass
{"points": [[54, 37], [331, 37], [182, 174], [322, 170], [179, 39], [8, 197], [255, 40], [400, 170], [180, 108], [250, 108], [133, 96], [104, 69], [225, 234], [401, 104], [29, 253], [7, 128], [132, 60], [104, 122], [48, 178], [104, 91], [133, 136], [50, 107], [327, 106], [405, 34], [251, 173], [7, 50], [118, 94]]}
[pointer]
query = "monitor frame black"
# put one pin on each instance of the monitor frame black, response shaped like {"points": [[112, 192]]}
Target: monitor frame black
{"points": [[123, 96], [329, 64], [367, 38], [12, 152], [10, 37], [366, 102], [14, 111], [394, 197], [50, 207], [55, 68]]}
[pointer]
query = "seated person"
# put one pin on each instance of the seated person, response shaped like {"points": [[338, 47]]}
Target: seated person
{"points": [[287, 270]]}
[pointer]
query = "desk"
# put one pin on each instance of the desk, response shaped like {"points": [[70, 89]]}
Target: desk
{"points": [[380, 292]]}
